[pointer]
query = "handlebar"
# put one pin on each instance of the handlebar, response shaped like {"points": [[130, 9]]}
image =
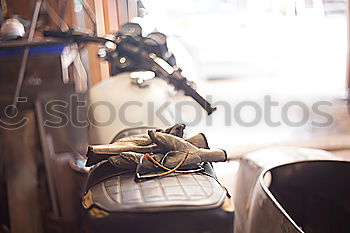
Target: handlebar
{"points": [[144, 59], [75, 36]]}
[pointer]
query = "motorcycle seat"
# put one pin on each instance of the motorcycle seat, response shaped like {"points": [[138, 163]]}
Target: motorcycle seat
{"points": [[118, 199]]}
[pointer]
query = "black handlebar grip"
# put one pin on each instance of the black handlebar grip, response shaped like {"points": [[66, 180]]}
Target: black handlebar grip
{"points": [[58, 34], [76, 36], [179, 82], [189, 91]]}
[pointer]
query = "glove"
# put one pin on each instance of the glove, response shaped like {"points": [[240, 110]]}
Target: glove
{"points": [[136, 143], [169, 142], [126, 160], [130, 160], [176, 130], [199, 140]]}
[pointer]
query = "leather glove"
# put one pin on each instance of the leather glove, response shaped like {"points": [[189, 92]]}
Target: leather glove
{"points": [[199, 140], [172, 143], [129, 160], [136, 143], [176, 130], [126, 160]]}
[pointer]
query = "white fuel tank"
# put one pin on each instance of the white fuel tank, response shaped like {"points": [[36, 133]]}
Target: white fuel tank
{"points": [[119, 104]]}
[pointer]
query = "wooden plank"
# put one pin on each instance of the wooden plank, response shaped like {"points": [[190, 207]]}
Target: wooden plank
{"points": [[105, 5], [98, 69], [21, 177], [94, 62], [132, 9], [100, 21], [24, 8], [122, 8], [113, 16], [70, 15]]}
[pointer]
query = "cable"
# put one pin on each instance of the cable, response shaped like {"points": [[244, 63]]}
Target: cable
{"points": [[147, 156]]}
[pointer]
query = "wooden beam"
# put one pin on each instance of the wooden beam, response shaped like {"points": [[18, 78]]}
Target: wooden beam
{"points": [[70, 15], [23, 8], [113, 16], [101, 31], [122, 8], [132, 9], [98, 69], [105, 5]]}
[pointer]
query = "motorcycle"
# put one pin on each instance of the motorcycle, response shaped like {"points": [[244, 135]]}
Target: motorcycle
{"points": [[143, 69]]}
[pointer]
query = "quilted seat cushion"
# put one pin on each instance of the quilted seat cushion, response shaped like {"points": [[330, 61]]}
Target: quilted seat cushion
{"points": [[174, 192]]}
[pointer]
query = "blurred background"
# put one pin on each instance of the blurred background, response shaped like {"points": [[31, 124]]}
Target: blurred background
{"points": [[291, 50], [272, 67]]}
